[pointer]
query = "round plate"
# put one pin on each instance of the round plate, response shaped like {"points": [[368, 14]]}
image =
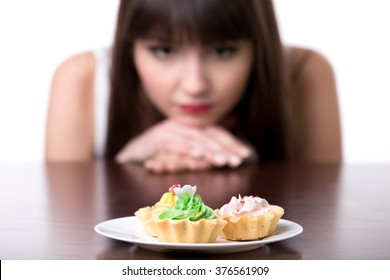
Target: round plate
{"points": [[129, 229]]}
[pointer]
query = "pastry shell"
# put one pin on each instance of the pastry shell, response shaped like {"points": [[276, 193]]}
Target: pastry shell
{"points": [[250, 227], [147, 216], [186, 231]]}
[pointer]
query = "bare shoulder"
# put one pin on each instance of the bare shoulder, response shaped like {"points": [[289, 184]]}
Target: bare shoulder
{"points": [[306, 64], [315, 106], [79, 67], [73, 80], [311, 76], [69, 128]]}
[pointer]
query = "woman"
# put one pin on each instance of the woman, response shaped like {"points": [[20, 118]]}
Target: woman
{"points": [[193, 85]]}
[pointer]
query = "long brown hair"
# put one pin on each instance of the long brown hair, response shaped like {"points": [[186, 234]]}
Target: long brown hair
{"points": [[261, 112]]}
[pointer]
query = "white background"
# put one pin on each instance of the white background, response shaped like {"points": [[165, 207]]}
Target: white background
{"points": [[35, 36]]}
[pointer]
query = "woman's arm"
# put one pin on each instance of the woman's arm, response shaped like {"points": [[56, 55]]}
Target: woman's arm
{"points": [[69, 131], [316, 122]]}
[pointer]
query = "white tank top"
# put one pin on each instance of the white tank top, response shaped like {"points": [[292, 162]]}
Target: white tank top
{"points": [[101, 98]]}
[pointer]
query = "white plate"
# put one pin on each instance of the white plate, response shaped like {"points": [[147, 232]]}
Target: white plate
{"points": [[129, 229]]}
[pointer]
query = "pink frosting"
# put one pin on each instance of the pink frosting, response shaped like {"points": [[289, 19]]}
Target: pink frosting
{"points": [[247, 205]]}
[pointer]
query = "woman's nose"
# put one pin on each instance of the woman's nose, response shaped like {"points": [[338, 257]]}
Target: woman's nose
{"points": [[194, 78]]}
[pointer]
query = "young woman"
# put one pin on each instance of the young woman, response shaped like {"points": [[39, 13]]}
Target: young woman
{"points": [[192, 85]]}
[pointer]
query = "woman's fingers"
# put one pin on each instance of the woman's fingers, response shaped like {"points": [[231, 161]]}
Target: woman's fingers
{"points": [[171, 162], [218, 145], [227, 140], [228, 147], [204, 143]]}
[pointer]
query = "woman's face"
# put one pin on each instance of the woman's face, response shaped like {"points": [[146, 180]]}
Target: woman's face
{"points": [[193, 84]]}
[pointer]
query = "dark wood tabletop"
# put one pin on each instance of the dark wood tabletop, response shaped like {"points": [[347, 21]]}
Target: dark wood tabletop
{"points": [[49, 211]]}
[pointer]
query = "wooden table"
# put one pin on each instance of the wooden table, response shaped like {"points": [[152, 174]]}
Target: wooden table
{"points": [[48, 211]]}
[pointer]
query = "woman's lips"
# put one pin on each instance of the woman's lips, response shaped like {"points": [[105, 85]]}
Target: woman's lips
{"points": [[195, 109]]}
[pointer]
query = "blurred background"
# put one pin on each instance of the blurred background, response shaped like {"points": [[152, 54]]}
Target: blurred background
{"points": [[35, 36]]}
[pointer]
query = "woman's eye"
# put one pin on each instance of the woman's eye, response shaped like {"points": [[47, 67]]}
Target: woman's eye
{"points": [[161, 51], [224, 52]]}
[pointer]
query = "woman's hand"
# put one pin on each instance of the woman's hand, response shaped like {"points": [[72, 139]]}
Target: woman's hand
{"points": [[153, 140], [173, 162], [170, 146]]}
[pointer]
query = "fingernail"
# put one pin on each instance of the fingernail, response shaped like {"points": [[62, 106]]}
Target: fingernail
{"points": [[195, 152], [219, 159], [234, 161], [244, 152]]}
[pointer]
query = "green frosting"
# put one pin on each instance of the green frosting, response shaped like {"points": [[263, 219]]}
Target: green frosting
{"points": [[189, 207]]}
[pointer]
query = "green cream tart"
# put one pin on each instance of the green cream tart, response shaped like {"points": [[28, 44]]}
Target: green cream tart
{"points": [[189, 206]]}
